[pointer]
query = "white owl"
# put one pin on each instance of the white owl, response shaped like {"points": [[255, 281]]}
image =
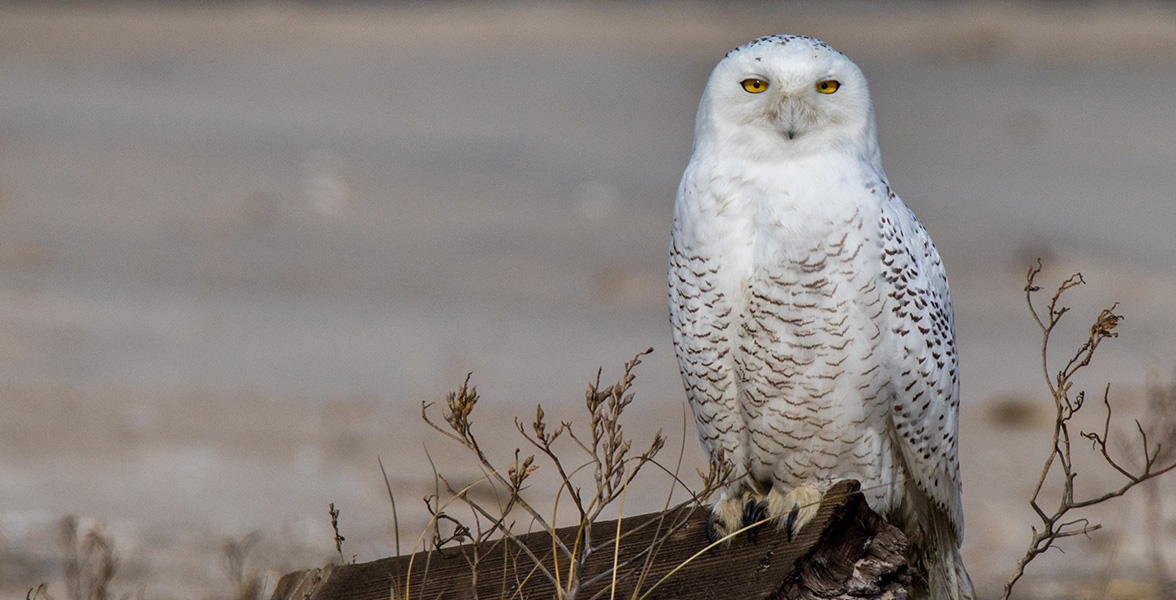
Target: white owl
{"points": [[810, 310]]}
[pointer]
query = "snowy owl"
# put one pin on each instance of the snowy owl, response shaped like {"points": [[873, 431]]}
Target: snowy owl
{"points": [[810, 311]]}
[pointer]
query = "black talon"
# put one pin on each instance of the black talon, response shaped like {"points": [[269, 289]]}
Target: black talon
{"points": [[791, 520], [712, 534], [754, 512]]}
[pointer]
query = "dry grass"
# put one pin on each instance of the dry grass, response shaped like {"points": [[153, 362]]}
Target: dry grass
{"points": [[594, 476], [89, 563], [247, 584]]}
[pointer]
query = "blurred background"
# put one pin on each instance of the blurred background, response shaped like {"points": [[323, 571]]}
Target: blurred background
{"points": [[241, 243]]}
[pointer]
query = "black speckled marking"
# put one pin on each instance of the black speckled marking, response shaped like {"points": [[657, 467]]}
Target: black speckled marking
{"points": [[782, 40]]}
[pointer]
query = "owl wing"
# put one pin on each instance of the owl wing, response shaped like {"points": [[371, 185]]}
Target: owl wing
{"points": [[925, 380], [700, 314]]}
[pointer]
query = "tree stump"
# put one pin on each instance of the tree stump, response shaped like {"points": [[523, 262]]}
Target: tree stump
{"points": [[846, 551]]}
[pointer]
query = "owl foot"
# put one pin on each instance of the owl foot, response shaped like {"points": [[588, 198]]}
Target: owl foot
{"points": [[726, 517], [795, 509]]}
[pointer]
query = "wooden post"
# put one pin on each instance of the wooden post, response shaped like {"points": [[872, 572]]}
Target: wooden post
{"points": [[846, 551]]}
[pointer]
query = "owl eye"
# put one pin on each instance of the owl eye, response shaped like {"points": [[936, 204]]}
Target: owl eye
{"points": [[828, 86], [753, 85]]}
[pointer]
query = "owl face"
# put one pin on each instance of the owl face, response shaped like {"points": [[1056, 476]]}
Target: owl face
{"points": [[788, 95]]}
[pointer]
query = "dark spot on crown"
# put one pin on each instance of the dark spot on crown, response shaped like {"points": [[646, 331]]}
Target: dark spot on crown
{"points": [[782, 40]]}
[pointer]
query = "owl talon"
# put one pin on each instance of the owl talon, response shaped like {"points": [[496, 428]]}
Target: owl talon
{"points": [[712, 532], [790, 521], [726, 517], [753, 513]]}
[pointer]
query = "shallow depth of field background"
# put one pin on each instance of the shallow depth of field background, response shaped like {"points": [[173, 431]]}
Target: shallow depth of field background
{"points": [[240, 245]]}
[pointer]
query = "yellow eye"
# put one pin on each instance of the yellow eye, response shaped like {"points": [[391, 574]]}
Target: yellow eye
{"points": [[753, 85], [828, 86]]}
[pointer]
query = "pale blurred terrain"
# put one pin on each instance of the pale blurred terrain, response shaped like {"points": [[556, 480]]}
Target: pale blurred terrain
{"points": [[240, 245]]}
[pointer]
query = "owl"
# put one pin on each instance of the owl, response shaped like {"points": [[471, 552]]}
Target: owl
{"points": [[810, 310]]}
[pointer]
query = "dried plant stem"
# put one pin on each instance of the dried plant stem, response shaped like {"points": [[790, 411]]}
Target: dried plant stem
{"points": [[392, 499], [89, 564], [1059, 524], [338, 538], [608, 456]]}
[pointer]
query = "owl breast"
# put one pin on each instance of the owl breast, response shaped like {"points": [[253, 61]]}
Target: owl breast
{"points": [[807, 368], [794, 274]]}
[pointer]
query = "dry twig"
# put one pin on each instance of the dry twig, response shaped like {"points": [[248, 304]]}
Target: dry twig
{"points": [[1060, 524]]}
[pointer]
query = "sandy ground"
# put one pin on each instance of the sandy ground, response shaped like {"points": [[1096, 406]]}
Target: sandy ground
{"points": [[241, 245]]}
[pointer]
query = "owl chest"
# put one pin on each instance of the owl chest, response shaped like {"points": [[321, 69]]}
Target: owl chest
{"points": [[782, 265], [807, 316], [801, 279]]}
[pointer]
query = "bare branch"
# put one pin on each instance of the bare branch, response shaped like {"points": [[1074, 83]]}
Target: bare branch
{"points": [[1067, 405]]}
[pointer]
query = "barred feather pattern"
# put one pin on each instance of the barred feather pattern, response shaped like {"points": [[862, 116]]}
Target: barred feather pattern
{"points": [[836, 363]]}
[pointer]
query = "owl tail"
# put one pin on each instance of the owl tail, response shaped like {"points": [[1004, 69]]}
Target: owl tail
{"points": [[947, 579], [939, 556]]}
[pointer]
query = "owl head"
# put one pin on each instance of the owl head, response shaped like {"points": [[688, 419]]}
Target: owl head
{"points": [[786, 96]]}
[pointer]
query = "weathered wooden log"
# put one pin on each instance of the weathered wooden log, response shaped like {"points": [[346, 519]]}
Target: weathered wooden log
{"points": [[846, 551]]}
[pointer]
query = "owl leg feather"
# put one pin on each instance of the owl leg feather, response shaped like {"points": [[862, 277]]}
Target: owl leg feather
{"points": [[794, 509]]}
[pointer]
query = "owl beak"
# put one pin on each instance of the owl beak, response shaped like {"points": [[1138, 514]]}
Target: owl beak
{"points": [[791, 116]]}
